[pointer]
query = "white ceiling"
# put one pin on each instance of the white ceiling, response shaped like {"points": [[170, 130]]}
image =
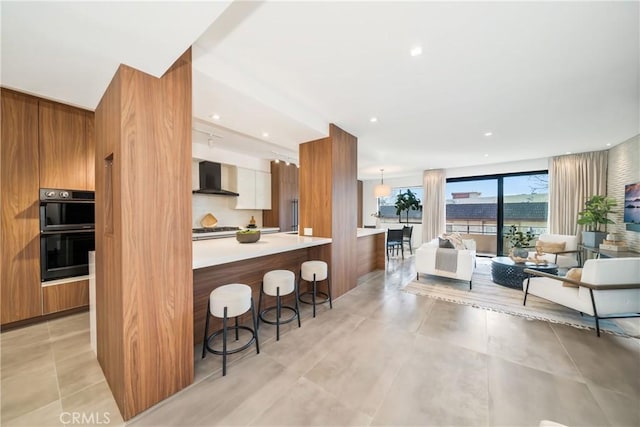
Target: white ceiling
{"points": [[545, 77]]}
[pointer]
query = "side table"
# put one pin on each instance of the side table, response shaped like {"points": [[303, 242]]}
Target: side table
{"points": [[506, 272]]}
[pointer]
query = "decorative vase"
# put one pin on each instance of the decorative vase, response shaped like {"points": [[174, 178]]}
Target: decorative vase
{"points": [[593, 239], [520, 252]]}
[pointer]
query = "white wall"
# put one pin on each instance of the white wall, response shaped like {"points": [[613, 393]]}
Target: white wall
{"points": [[623, 168], [215, 154]]}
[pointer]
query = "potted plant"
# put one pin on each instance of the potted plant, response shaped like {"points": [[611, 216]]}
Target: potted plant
{"points": [[593, 217], [406, 202], [519, 241]]}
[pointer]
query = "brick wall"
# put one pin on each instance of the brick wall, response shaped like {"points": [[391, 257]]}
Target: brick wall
{"points": [[623, 168]]}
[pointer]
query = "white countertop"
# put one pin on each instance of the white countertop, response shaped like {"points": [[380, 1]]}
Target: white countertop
{"points": [[219, 234], [207, 253], [370, 231]]}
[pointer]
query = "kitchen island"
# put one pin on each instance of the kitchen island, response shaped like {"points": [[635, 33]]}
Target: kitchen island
{"points": [[219, 262]]}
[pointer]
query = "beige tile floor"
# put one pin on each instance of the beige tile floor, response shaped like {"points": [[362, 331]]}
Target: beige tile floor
{"points": [[380, 357]]}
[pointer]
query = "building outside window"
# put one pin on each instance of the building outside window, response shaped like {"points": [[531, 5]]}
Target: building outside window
{"points": [[482, 208], [388, 208]]}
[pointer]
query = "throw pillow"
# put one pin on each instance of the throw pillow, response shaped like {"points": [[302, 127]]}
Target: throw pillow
{"points": [[550, 247], [455, 239], [573, 274], [444, 243]]}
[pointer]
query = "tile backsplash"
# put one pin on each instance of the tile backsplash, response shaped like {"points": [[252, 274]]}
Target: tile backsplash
{"points": [[222, 207]]}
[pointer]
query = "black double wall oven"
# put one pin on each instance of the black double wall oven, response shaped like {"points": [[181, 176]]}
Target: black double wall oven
{"points": [[67, 232]]}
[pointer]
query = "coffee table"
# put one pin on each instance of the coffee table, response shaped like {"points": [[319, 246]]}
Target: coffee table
{"points": [[506, 272]]}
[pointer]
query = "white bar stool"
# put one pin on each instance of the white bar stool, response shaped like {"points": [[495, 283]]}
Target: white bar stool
{"points": [[314, 272], [278, 283], [225, 302]]}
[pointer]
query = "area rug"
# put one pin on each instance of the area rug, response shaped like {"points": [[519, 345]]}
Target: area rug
{"points": [[490, 296]]}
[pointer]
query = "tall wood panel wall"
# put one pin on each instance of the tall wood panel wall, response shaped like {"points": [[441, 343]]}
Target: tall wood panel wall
{"points": [[20, 228], [328, 202], [144, 289], [284, 190]]}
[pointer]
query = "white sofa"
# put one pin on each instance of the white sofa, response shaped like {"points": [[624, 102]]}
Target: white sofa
{"points": [[466, 261], [608, 288], [568, 258]]}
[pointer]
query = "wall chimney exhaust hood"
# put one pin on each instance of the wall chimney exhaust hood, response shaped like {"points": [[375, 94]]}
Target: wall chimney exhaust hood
{"points": [[211, 180]]}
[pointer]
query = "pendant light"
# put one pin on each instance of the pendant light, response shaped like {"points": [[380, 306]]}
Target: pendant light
{"points": [[382, 190]]}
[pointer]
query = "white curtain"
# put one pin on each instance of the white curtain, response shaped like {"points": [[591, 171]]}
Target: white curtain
{"points": [[433, 206], [572, 180]]}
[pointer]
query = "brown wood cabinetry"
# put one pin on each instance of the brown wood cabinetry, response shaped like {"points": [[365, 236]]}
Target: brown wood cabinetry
{"points": [[44, 144], [64, 153], [284, 190], [20, 231], [90, 144], [65, 296]]}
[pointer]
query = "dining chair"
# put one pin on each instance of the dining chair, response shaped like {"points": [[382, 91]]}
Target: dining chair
{"points": [[394, 241], [406, 236]]}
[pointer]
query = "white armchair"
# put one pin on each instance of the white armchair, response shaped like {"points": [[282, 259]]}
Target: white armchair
{"points": [[609, 288], [566, 258], [464, 266]]}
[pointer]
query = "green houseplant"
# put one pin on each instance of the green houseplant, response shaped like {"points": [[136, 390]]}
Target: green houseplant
{"points": [[406, 202], [519, 241], [594, 215]]}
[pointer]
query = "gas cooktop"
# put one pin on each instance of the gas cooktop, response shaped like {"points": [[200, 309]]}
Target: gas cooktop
{"points": [[214, 229]]}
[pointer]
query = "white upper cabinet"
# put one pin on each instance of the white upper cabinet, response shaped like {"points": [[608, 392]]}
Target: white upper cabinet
{"points": [[263, 190], [254, 188]]}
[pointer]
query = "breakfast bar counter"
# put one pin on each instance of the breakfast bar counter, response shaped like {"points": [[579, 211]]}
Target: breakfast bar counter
{"points": [[207, 253], [219, 262]]}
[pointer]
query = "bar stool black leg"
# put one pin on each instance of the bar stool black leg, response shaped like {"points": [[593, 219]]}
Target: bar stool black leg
{"points": [[260, 303], [329, 288], [278, 308], [313, 295], [206, 331], [224, 343], [255, 326], [297, 304]]}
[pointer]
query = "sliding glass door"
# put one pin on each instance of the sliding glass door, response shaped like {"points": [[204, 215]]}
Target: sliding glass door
{"points": [[482, 208], [472, 210]]}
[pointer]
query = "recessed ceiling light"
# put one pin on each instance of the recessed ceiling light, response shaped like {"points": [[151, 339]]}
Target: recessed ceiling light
{"points": [[277, 160], [373, 119], [416, 51], [568, 152], [265, 134], [609, 144], [486, 155], [215, 117], [488, 133]]}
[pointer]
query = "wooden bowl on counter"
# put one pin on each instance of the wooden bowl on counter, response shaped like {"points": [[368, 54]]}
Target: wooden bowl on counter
{"points": [[248, 236]]}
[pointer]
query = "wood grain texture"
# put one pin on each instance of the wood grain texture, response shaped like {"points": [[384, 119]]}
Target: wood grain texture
{"points": [[315, 187], [65, 296], [151, 252], [344, 148], [19, 231], [248, 272], [359, 217], [284, 189], [328, 194], [371, 253], [63, 152], [90, 147], [109, 307]]}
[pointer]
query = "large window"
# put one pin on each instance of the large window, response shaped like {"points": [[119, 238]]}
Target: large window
{"points": [[388, 205], [482, 208]]}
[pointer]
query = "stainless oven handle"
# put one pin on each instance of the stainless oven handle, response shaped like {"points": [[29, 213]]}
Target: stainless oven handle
{"points": [[83, 230]]}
